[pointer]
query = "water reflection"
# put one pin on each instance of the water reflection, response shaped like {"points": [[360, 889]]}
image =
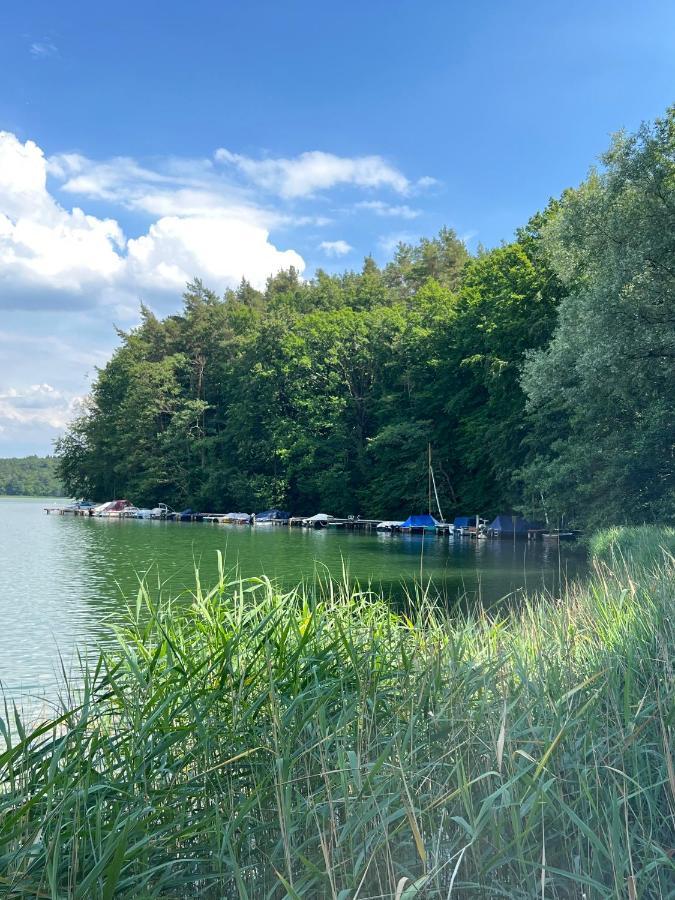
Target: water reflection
{"points": [[63, 580]]}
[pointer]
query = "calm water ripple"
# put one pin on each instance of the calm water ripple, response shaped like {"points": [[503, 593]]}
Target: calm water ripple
{"points": [[63, 579]]}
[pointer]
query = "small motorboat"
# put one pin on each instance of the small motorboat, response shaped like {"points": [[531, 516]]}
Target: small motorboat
{"points": [[161, 511], [272, 517], [320, 520], [134, 512], [187, 515], [236, 518]]}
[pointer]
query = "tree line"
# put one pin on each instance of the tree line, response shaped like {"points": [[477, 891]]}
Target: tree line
{"points": [[540, 372], [30, 476]]}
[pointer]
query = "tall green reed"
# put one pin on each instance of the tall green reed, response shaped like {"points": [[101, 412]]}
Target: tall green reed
{"points": [[263, 743]]}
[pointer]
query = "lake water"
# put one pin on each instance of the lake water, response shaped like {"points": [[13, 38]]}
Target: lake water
{"points": [[63, 579]]}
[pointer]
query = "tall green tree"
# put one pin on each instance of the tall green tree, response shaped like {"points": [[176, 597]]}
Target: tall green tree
{"points": [[602, 394], [30, 476]]}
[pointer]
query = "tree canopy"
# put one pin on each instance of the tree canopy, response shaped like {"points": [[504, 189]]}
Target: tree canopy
{"points": [[30, 476], [541, 373], [601, 394]]}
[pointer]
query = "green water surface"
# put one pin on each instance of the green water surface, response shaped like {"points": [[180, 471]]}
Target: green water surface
{"points": [[64, 579]]}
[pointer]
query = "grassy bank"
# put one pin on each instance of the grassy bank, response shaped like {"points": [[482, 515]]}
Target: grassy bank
{"points": [[275, 745], [642, 545]]}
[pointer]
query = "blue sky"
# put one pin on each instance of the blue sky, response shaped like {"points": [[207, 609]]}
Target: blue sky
{"points": [[143, 143]]}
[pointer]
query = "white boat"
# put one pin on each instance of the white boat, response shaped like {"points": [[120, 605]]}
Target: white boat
{"points": [[388, 526], [320, 520], [161, 511], [133, 512], [115, 509], [236, 518], [102, 508]]}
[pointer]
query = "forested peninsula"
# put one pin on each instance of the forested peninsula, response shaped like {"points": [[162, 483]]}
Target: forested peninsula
{"points": [[30, 476], [540, 372]]}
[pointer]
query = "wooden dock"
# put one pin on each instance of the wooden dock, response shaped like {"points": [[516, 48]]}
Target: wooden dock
{"points": [[354, 524], [66, 511]]}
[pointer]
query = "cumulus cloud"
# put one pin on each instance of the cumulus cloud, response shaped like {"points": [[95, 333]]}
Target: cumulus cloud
{"points": [[385, 209], [315, 170], [48, 248], [198, 220], [39, 404], [40, 242], [223, 249], [335, 248], [157, 224]]}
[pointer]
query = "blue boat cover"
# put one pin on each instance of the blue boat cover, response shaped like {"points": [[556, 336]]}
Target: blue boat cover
{"points": [[423, 521], [272, 515], [464, 521], [507, 525]]}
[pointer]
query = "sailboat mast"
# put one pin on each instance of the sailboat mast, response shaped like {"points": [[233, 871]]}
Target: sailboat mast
{"points": [[429, 477]]}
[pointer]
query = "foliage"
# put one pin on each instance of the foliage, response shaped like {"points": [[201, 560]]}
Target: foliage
{"points": [[30, 476], [541, 373], [261, 744], [601, 394], [324, 394], [641, 543]]}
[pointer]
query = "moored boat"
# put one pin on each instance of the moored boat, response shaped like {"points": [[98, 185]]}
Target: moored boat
{"points": [[135, 512], [236, 518], [161, 511], [389, 525], [272, 517], [115, 509], [187, 515], [320, 520], [420, 524]]}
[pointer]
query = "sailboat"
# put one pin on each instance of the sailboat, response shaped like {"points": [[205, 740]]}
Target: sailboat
{"points": [[419, 524]]}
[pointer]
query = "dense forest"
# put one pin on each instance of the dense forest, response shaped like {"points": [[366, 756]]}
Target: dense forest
{"points": [[541, 373], [30, 476]]}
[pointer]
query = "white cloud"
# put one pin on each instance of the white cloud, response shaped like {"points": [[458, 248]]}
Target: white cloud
{"points": [[181, 187], [107, 180], [204, 217], [385, 209], [39, 404], [40, 242], [220, 249], [49, 250], [315, 170], [190, 187], [335, 248], [197, 221], [41, 49]]}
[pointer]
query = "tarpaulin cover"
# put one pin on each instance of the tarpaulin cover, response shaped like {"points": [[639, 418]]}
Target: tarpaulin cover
{"points": [[464, 521], [423, 521]]}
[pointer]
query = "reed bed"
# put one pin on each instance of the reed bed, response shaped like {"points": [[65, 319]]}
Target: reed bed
{"points": [[268, 744], [642, 544]]}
